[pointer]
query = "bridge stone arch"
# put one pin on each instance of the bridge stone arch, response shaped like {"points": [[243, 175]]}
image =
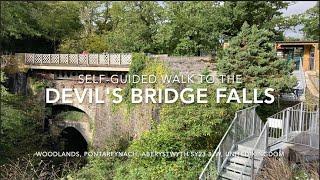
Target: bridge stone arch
{"points": [[88, 110], [84, 125]]}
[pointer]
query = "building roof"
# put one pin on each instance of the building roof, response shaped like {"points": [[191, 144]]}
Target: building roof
{"points": [[297, 42]]}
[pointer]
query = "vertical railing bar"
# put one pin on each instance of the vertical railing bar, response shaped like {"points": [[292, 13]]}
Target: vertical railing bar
{"points": [[300, 119], [245, 122], [266, 139], [219, 160]]}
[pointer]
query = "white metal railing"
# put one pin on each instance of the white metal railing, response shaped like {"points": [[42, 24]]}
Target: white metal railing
{"points": [[104, 59], [298, 124], [245, 124], [296, 119]]}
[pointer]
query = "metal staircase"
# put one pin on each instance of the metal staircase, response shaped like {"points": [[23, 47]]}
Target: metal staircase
{"points": [[240, 153]]}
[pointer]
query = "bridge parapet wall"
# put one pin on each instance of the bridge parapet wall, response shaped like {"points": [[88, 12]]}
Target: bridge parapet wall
{"points": [[104, 59]]}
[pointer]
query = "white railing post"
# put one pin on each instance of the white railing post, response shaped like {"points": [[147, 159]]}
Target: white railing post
{"points": [[300, 116], [245, 121], [234, 135], [253, 121], [219, 160], [252, 165], [267, 134], [287, 113]]}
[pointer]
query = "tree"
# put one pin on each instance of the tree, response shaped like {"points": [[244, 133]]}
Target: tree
{"points": [[263, 14], [38, 23], [310, 21], [189, 28], [252, 54], [134, 26], [59, 20], [182, 128], [16, 20], [20, 122]]}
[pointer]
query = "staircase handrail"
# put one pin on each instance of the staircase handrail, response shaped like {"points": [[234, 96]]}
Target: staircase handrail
{"points": [[301, 107], [218, 148], [264, 130]]}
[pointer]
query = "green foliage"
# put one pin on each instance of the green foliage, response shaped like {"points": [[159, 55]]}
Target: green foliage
{"points": [[96, 169], [251, 54], [21, 119], [266, 110], [190, 28], [15, 19], [36, 86], [180, 28], [182, 128], [49, 21], [263, 14], [310, 21], [59, 20], [137, 65], [134, 26]]}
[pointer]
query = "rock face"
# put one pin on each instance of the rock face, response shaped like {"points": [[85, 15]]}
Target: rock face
{"points": [[17, 83]]}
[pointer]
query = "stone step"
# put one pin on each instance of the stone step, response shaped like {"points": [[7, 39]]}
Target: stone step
{"points": [[226, 174]]}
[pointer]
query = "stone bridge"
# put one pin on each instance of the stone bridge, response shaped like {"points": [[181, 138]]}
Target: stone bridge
{"points": [[100, 125]]}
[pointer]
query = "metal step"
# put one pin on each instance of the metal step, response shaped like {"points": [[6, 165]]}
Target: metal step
{"points": [[243, 161], [244, 151], [226, 174], [239, 168]]}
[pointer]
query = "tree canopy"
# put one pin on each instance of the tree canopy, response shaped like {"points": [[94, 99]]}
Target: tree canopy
{"points": [[180, 28], [310, 21], [251, 54]]}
